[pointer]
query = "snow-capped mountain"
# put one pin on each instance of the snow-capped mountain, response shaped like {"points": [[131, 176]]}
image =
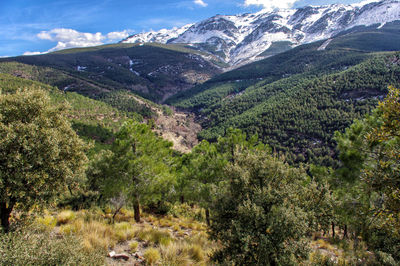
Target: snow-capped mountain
{"points": [[243, 38], [162, 36]]}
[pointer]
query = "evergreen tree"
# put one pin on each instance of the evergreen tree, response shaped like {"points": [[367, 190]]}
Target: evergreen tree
{"points": [[40, 154], [138, 166], [369, 152], [259, 219]]}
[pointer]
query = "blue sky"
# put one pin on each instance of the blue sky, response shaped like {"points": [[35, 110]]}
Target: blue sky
{"points": [[32, 26]]}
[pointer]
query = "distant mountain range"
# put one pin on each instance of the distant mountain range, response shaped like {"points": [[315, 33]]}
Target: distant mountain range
{"points": [[245, 38]]}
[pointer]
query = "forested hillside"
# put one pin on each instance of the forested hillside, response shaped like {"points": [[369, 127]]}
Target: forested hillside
{"points": [[296, 100], [92, 120], [154, 71], [234, 201]]}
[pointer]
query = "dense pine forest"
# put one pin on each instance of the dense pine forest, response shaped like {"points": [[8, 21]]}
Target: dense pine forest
{"points": [[305, 98]]}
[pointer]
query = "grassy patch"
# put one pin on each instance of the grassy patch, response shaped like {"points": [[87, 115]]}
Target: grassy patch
{"points": [[152, 255], [65, 217], [32, 247]]}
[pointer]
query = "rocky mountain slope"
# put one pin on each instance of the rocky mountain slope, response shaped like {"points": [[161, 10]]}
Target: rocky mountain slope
{"points": [[244, 38]]}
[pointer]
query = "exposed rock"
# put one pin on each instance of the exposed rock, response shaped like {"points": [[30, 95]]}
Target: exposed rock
{"points": [[116, 256]]}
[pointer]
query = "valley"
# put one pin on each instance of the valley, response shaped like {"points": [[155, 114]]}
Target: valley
{"points": [[264, 138]]}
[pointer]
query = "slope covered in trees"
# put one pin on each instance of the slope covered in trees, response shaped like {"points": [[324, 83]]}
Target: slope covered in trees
{"points": [[93, 120], [295, 100], [249, 204], [153, 71]]}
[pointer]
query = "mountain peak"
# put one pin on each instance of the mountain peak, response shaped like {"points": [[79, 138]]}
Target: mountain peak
{"points": [[239, 39]]}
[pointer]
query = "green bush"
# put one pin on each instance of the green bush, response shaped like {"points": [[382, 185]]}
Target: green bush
{"points": [[385, 259], [259, 219]]}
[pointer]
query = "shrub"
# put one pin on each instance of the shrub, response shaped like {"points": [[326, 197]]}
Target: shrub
{"points": [[152, 255], [165, 223], [79, 200], [259, 219], [90, 215], [324, 245], [159, 208], [385, 259], [176, 227]]}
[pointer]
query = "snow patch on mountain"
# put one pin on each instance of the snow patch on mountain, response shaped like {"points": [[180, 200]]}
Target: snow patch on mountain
{"points": [[161, 36], [242, 38]]}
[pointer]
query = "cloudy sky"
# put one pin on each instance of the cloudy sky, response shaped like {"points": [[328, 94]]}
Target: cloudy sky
{"points": [[35, 26]]}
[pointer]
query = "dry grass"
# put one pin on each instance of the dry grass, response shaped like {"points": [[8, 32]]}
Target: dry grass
{"points": [[169, 240], [152, 256], [185, 253], [124, 231], [165, 222], [155, 236], [65, 217], [176, 227], [98, 235], [196, 252], [133, 246], [174, 255], [124, 215], [47, 222], [322, 244]]}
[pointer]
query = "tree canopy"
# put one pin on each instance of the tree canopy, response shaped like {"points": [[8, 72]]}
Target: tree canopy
{"points": [[39, 151], [138, 166]]}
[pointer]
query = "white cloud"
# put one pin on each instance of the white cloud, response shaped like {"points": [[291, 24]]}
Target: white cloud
{"points": [[32, 53], [271, 4], [70, 38], [119, 35], [200, 3]]}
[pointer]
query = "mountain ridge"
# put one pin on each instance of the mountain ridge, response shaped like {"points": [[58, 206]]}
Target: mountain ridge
{"points": [[240, 39]]}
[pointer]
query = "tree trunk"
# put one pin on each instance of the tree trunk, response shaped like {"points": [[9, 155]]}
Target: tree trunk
{"points": [[208, 217], [5, 213], [136, 210], [182, 199], [333, 230], [115, 214], [355, 245], [345, 235]]}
